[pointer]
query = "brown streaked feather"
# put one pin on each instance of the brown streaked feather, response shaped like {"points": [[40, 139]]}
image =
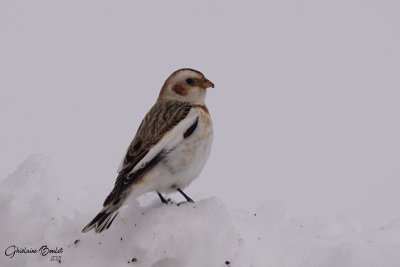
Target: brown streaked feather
{"points": [[161, 118]]}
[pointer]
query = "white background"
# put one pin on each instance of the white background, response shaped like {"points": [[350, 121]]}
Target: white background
{"points": [[305, 109]]}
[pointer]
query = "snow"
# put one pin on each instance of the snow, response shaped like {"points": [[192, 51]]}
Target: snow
{"points": [[39, 209]]}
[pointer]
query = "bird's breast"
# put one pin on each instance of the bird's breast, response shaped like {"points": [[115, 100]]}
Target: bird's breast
{"points": [[190, 156]]}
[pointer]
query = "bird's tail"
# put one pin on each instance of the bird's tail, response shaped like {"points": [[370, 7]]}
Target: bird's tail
{"points": [[103, 220]]}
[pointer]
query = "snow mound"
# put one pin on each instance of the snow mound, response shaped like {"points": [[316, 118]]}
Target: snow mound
{"points": [[39, 210]]}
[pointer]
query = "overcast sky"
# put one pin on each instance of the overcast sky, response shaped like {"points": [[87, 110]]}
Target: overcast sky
{"points": [[305, 108]]}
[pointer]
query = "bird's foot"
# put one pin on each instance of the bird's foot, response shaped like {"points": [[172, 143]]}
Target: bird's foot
{"points": [[188, 199], [185, 202], [170, 201], [165, 201]]}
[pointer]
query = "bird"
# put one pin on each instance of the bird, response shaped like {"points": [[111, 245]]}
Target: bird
{"points": [[169, 150]]}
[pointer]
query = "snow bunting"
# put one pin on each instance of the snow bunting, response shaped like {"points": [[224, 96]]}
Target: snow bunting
{"points": [[169, 149]]}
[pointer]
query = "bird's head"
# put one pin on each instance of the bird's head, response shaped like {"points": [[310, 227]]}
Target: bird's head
{"points": [[186, 85]]}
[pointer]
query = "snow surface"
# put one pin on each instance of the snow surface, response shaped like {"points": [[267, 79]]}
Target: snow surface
{"points": [[39, 209]]}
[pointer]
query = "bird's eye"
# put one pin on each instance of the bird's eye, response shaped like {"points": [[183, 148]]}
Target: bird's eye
{"points": [[190, 81]]}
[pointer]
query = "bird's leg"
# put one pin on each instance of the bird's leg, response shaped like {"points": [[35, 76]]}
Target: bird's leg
{"points": [[163, 200], [186, 196]]}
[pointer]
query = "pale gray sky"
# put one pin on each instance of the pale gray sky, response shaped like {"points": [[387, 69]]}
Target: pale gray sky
{"points": [[306, 105]]}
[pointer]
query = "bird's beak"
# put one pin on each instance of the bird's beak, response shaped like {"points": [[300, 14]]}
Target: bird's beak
{"points": [[207, 84]]}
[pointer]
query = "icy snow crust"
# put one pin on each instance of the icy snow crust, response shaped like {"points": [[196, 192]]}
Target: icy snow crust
{"points": [[39, 210]]}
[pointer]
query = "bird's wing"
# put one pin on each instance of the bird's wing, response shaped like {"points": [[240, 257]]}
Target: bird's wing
{"points": [[162, 129]]}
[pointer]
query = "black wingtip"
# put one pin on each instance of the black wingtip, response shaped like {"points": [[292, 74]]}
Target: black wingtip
{"points": [[191, 129], [109, 223], [101, 222]]}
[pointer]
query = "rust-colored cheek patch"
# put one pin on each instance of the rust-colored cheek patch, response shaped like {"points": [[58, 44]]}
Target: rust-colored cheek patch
{"points": [[180, 90]]}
